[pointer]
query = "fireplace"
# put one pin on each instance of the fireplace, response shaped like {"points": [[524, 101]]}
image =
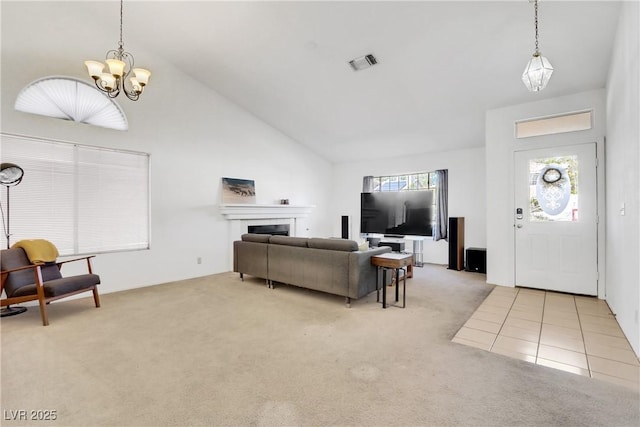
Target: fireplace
{"points": [[241, 216], [275, 229]]}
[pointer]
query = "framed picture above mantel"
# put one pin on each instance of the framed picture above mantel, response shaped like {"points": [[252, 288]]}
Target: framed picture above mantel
{"points": [[238, 191]]}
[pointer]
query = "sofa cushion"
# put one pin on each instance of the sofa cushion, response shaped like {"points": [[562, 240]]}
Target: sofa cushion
{"points": [[258, 238], [289, 241], [364, 246], [333, 244]]}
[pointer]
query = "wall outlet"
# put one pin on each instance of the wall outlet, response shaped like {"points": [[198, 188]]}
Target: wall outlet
{"points": [[199, 260]]}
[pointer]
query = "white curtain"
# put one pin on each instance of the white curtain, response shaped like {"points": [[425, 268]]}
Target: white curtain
{"points": [[442, 204]]}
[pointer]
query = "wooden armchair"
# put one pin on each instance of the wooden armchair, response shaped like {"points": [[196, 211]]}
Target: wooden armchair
{"points": [[23, 281]]}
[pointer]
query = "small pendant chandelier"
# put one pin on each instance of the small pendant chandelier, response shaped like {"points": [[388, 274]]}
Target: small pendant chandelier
{"points": [[120, 65], [538, 71]]}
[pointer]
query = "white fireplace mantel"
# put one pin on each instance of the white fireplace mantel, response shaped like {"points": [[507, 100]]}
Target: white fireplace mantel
{"points": [[247, 211], [240, 216]]}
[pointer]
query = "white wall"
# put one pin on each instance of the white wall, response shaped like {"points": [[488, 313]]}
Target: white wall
{"points": [[500, 146], [466, 192], [195, 137], [623, 180]]}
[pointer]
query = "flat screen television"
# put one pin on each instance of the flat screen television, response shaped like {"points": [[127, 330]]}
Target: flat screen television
{"points": [[397, 213]]}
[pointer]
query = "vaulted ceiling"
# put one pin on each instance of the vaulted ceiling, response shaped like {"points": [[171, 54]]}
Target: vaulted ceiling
{"points": [[442, 64]]}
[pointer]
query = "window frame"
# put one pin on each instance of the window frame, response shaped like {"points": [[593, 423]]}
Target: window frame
{"points": [[81, 240]]}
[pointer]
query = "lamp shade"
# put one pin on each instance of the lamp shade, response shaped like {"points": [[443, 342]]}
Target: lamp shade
{"points": [[94, 68], [537, 73], [116, 67], [10, 174], [142, 75], [107, 81]]}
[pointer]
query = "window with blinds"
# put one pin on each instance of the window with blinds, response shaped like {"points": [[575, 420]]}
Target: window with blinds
{"points": [[82, 198]]}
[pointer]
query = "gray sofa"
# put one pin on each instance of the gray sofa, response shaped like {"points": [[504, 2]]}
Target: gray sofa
{"points": [[335, 266]]}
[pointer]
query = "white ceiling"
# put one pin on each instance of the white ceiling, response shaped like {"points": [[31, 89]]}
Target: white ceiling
{"points": [[441, 64]]}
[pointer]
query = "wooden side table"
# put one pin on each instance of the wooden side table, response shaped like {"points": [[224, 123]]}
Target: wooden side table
{"points": [[396, 262]]}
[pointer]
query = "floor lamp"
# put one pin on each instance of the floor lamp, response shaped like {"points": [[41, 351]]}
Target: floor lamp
{"points": [[10, 176]]}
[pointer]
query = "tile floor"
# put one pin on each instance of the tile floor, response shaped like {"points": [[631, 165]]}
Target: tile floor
{"points": [[574, 333]]}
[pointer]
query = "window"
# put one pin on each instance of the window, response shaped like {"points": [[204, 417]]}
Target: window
{"points": [[553, 189], [84, 199], [416, 181], [425, 181], [571, 122]]}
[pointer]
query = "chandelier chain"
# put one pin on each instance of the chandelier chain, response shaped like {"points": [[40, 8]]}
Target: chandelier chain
{"points": [[122, 6], [535, 7]]}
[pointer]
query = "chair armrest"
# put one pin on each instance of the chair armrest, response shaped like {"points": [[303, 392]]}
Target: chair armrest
{"points": [[75, 259], [88, 258], [26, 267]]}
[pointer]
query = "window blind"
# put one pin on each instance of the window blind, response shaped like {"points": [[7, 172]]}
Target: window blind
{"points": [[82, 198]]}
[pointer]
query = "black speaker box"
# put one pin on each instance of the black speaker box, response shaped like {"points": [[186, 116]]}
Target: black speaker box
{"points": [[345, 227], [476, 260], [456, 243], [395, 246]]}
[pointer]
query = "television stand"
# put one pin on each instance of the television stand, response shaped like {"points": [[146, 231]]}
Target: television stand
{"points": [[394, 236], [395, 245]]}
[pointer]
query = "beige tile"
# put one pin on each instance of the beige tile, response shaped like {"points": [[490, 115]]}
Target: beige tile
{"points": [[561, 355], [504, 290], [515, 345], [527, 305], [563, 367], [603, 328], [592, 306], [531, 294], [489, 317], [615, 380], [612, 353], [486, 308], [561, 332], [566, 322], [615, 369], [590, 301], [523, 334], [533, 315], [513, 354], [551, 312], [476, 335], [560, 308], [530, 299], [589, 319], [557, 296], [561, 341], [608, 340], [529, 325], [469, 343], [483, 325], [499, 301], [530, 291]]}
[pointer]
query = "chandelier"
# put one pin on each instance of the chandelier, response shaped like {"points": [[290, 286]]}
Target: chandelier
{"points": [[120, 64], [538, 71]]}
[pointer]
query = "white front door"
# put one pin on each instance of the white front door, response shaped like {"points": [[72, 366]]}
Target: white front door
{"points": [[556, 219]]}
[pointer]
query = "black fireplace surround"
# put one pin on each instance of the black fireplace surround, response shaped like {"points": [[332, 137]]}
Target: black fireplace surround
{"points": [[276, 229]]}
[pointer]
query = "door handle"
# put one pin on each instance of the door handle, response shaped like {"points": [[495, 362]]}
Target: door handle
{"points": [[519, 225]]}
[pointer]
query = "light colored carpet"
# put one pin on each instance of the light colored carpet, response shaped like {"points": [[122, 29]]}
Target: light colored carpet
{"points": [[218, 351]]}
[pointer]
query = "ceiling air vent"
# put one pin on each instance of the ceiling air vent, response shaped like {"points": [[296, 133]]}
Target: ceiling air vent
{"points": [[363, 62]]}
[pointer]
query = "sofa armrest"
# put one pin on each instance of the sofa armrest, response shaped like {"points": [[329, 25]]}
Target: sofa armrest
{"points": [[250, 258], [362, 274]]}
